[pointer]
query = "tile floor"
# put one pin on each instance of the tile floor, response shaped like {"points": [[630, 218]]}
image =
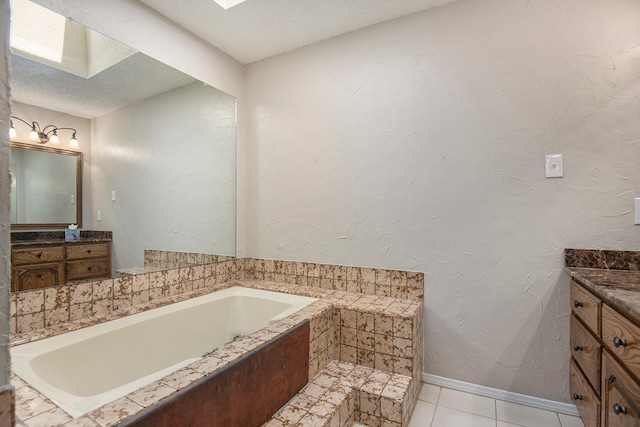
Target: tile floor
{"points": [[443, 407]]}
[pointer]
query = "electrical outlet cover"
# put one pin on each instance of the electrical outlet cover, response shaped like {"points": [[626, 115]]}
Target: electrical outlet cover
{"points": [[553, 166]]}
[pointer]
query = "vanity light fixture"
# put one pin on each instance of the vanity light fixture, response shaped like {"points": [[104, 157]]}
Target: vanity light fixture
{"points": [[42, 135]]}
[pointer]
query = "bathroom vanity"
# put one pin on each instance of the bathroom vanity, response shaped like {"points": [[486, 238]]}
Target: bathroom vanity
{"points": [[44, 259], [605, 337]]}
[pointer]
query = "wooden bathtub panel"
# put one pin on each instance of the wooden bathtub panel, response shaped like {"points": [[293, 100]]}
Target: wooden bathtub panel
{"points": [[246, 393]]}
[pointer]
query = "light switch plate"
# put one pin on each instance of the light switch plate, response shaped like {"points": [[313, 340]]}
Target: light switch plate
{"points": [[553, 166], [637, 221]]}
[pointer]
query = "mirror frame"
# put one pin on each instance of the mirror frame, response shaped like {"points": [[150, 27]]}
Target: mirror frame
{"points": [[78, 156]]}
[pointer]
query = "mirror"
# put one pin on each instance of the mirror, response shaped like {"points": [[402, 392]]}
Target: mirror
{"points": [[46, 187], [159, 146]]}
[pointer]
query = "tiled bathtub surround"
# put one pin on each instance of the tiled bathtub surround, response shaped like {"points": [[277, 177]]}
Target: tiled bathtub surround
{"points": [[371, 319], [370, 281], [172, 259], [606, 259], [33, 310], [376, 399], [344, 393], [49, 307]]}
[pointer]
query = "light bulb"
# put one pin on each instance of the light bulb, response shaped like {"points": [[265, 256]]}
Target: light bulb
{"points": [[74, 142], [33, 136], [12, 133], [54, 138]]}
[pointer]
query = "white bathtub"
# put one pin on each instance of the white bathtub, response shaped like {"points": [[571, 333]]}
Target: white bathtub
{"points": [[84, 369]]}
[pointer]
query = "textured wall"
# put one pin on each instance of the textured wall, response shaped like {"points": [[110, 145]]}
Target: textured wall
{"points": [[5, 182], [171, 161], [419, 144]]}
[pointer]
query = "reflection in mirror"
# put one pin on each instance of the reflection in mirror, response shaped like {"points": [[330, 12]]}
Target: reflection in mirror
{"points": [[159, 162], [46, 187]]}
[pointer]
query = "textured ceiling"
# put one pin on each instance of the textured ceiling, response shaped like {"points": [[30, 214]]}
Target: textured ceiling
{"points": [[133, 79], [257, 29], [250, 31], [84, 74]]}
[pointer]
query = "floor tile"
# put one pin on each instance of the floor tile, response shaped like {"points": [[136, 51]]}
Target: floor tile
{"points": [[526, 415], [422, 415], [506, 424], [467, 402], [429, 393], [446, 417], [570, 421]]}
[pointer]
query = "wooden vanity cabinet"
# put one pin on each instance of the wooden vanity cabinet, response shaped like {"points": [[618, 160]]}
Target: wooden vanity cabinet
{"points": [[33, 268], [586, 352], [53, 265], [605, 362]]}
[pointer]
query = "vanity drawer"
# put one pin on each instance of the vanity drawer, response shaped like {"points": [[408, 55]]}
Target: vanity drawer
{"points": [[586, 350], [622, 338], [84, 251], [583, 397], [620, 396], [87, 269], [586, 306], [37, 255]]}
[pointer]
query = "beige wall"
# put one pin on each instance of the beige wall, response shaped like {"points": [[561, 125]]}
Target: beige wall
{"points": [[419, 144], [171, 161], [5, 180]]}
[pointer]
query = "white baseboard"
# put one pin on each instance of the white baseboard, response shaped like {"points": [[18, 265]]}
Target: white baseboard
{"points": [[523, 399]]}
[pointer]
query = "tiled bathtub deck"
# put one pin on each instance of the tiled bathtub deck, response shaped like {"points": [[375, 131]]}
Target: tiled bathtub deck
{"points": [[343, 393], [365, 363]]}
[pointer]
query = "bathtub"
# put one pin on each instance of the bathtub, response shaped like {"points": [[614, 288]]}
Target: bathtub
{"points": [[84, 369]]}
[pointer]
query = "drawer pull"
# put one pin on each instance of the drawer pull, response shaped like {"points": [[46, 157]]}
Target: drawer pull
{"points": [[576, 396], [577, 347], [577, 303], [619, 409], [617, 342], [88, 268], [89, 251], [39, 276], [39, 255]]}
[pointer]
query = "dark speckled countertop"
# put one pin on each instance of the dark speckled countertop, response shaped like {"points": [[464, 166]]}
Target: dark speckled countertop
{"points": [[44, 238], [619, 288], [28, 243], [613, 276]]}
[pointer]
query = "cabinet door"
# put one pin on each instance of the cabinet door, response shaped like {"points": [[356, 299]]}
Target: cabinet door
{"points": [[36, 276], [583, 396], [586, 351], [620, 396], [622, 338]]}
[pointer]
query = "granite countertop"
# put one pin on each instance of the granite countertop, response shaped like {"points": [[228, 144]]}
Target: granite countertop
{"points": [[619, 288], [47, 242], [45, 238]]}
